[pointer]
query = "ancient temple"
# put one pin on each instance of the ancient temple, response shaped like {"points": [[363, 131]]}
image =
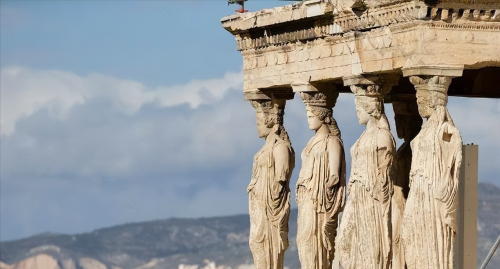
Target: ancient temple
{"points": [[413, 54]]}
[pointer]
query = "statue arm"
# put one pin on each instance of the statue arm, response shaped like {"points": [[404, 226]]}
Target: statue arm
{"points": [[385, 153], [386, 141], [282, 160], [450, 149], [386, 148], [335, 154], [383, 187]]}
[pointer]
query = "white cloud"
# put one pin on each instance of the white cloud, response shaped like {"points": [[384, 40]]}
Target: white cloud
{"points": [[25, 91], [87, 152]]}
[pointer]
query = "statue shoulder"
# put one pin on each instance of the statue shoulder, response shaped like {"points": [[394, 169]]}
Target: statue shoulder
{"points": [[448, 132], [385, 140], [334, 142], [282, 146], [449, 126]]}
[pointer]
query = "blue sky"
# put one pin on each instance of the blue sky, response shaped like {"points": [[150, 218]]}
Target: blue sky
{"points": [[126, 111], [157, 42]]}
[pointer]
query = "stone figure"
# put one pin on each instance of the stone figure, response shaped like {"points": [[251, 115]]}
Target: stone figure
{"points": [[429, 222], [408, 124], [364, 240], [321, 184], [269, 190]]}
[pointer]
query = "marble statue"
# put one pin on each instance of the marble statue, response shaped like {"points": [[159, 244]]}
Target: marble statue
{"points": [[364, 240], [408, 124], [309, 45], [321, 184], [269, 190], [429, 222]]}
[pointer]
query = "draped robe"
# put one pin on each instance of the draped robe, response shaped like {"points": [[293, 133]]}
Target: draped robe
{"points": [[318, 203], [429, 222], [364, 240], [269, 203], [400, 192]]}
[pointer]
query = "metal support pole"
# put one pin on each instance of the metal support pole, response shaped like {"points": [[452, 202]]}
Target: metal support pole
{"points": [[490, 255], [336, 262]]}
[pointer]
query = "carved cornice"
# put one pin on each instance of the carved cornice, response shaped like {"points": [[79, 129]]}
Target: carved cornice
{"points": [[383, 16], [471, 4], [326, 26], [331, 25], [461, 15]]}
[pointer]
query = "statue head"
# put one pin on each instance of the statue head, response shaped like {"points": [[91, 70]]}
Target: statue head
{"points": [[367, 107], [425, 106], [269, 115], [369, 101], [319, 107], [431, 93]]}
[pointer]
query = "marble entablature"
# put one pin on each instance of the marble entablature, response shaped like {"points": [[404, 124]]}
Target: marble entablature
{"points": [[324, 41]]}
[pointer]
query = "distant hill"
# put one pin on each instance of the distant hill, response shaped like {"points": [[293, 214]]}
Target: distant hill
{"points": [[488, 224], [185, 243]]}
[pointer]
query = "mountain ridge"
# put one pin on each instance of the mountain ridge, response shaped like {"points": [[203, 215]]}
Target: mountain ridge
{"points": [[175, 242]]}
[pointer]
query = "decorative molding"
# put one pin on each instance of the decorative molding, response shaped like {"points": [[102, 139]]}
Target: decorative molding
{"points": [[257, 94], [281, 46], [324, 27], [474, 4], [394, 16], [466, 26], [434, 70], [455, 14], [383, 16]]}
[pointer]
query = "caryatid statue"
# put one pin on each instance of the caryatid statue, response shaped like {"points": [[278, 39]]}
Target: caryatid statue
{"points": [[364, 240], [429, 222], [269, 190], [321, 184], [408, 124]]}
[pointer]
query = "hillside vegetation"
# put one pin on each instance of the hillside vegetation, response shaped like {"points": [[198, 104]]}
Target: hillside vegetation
{"points": [[166, 244]]}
